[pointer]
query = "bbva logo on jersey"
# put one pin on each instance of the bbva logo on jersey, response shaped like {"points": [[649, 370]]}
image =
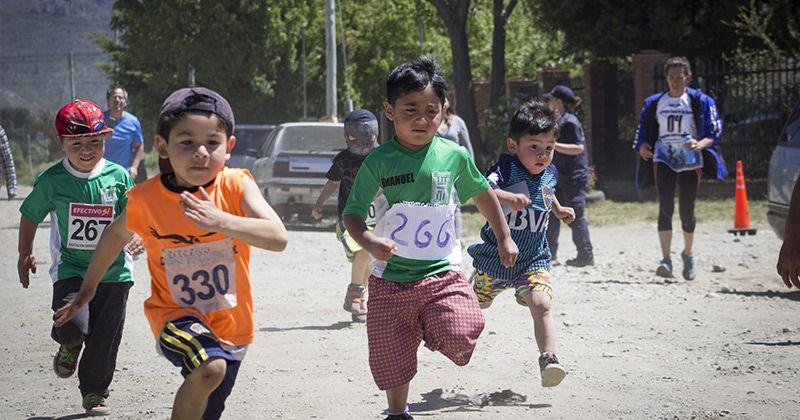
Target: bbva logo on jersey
{"points": [[528, 218]]}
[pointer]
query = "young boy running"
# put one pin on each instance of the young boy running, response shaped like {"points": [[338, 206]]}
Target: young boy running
{"points": [[361, 133], [417, 290], [82, 194], [525, 182], [197, 225]]}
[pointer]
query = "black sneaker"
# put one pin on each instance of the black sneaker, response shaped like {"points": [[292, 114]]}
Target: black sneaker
{"points": [[580, 262], [404, 416], [552, 371]]}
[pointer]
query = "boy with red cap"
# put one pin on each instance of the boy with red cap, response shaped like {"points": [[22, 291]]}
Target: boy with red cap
{"points": [[82, 194]]}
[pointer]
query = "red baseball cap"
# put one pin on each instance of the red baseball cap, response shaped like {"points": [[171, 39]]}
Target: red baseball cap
{"points": [[81, 118]]}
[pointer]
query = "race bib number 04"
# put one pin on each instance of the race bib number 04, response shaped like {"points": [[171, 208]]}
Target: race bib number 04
{"points": [[202, 276], [87, 223]]}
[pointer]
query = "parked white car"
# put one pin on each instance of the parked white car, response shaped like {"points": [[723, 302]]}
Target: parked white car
{"points": [[290, 169], [784, 168]]}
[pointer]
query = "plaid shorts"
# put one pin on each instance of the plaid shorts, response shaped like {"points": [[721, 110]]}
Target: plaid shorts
{"points": [[487, 288], [441, 309]]}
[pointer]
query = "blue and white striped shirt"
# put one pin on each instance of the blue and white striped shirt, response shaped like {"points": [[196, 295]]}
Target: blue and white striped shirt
{"points": [[528, 226]]}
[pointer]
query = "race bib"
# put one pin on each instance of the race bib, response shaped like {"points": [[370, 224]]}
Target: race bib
{"points": [[87, 222], [376, 210], [423, 231], [202, 276]]}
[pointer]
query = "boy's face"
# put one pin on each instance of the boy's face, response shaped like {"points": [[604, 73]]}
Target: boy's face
{"points": [[84, 152], [197, 149], [416, 116], [535, 151]]}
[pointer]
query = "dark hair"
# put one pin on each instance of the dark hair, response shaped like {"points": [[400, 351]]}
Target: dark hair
{"points": [[168, 121], [415, 75], [533, 117], [678, 62], [113, 88]]}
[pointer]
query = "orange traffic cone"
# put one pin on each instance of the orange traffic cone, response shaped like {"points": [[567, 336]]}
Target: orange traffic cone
{"points": [[741, 218]]}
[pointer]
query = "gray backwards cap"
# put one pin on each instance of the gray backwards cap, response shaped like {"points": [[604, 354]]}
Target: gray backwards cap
{"points": [[198, 99], [361, 124]]}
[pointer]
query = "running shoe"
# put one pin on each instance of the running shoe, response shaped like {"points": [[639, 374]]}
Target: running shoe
{"points": [[95, 405], [688, 266], [552, 371], [665, 268], [66, 360], [404, 416], [355, 302]]}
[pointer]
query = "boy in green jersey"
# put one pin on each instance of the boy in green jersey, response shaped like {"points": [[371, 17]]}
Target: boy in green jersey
{"points": [[83, 194], [417, 289]]}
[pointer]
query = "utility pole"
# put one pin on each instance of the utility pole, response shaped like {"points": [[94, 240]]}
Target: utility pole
{"points": [[330, 59], [71, 78], [305, 77], [191, 75], [344, 61]]}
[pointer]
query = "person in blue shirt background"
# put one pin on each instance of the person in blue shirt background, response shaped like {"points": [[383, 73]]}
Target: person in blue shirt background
{"points": [[125, 146], [572, 162]]}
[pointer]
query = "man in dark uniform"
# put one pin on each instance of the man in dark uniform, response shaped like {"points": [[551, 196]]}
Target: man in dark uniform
{"points": [[571, 160]]}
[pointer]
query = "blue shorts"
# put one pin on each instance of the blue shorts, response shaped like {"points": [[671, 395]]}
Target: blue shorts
{"points": [[187, 343]]}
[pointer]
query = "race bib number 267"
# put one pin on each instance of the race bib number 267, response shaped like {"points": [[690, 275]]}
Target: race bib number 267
{"points": [[87, 223]]}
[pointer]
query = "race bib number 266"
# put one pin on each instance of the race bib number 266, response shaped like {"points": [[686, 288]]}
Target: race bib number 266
{"points": [[87, 223]]}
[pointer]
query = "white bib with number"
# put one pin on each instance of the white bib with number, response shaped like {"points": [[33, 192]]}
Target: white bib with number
{"points": [[87, 223], [202, 276], [423, 231]]}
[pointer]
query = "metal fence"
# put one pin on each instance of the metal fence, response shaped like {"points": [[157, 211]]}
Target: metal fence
{"points": [[753, 98]]}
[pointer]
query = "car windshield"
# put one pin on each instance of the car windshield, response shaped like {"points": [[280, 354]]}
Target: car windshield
{"points": [[311, 139], [250, 138]]}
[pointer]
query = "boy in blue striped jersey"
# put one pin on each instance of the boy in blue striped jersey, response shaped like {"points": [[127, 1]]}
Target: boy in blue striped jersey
{"points": [[524, 182]]}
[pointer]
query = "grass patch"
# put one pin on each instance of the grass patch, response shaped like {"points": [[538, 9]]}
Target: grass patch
{"points": [[613, 213]]}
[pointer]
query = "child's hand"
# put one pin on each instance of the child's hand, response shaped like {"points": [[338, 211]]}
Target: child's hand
{"points": [[519, 202], [202, 211], [381, 248], [565, 214], [25, 264], [508, 252], [68, 311], [316, 212], [135, 246]]}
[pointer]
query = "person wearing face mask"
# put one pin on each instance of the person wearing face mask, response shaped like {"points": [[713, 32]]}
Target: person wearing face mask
{"points": [[361, 134]]}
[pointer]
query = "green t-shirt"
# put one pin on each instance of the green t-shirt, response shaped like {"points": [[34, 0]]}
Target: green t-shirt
{"points": [[80, 205], [419, 187]]}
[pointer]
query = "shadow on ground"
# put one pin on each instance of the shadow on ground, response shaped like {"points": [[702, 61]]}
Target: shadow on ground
{"points": [[333, 327], [793, 295], [436, 401], [69, 417], [775, 343]]}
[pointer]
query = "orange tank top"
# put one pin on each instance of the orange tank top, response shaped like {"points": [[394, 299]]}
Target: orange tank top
{"points": [[194, 272]]}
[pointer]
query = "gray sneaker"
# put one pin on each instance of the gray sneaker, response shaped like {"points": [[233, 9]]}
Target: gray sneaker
{"points": [[665, 268], [688, 266]]}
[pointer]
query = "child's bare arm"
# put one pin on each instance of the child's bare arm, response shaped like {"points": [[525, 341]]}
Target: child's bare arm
{"points": [[324, 195], [26, 263], [111, 243], [514, 200], [380, 248], [490, 209], [565, 214], [261, 228]]}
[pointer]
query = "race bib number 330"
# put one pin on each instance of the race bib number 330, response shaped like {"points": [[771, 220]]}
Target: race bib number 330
{"points": [[87, 223], [202, 276]]}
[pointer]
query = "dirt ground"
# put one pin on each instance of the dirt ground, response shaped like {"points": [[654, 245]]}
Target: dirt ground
{"points": [[635, 346]]}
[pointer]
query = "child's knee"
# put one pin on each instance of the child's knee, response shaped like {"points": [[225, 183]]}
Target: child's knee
{"points": [[539, 302], [211, 373]]}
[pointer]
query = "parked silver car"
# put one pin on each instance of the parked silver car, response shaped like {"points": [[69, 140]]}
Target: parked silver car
{"points": [[250, 138], [291, 167], [784, 168]]}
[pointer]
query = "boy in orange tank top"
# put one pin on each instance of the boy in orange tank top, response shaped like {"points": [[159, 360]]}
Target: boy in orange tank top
{"points": [[197, 224]]}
